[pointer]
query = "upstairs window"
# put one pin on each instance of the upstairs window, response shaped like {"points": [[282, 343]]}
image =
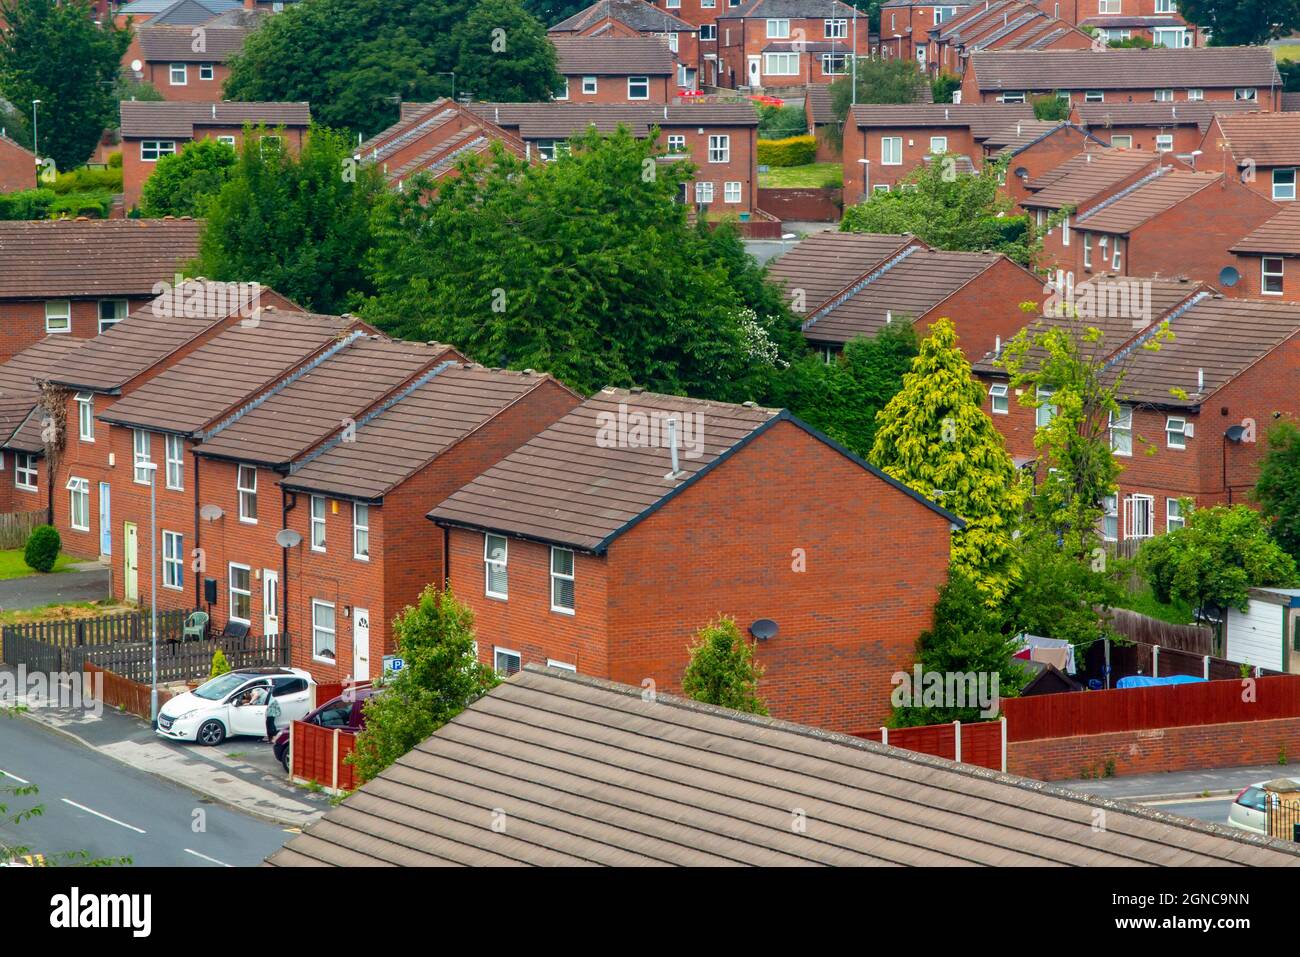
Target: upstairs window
{"points": [[1045, 411], [562, 580], [361, 531], [140, 448], [318, 523], [58, 315], [175, 454], [998, 398], [246, 485], [719, 149], [638, 87], [1176, 432], [1272, 279], [1284, 184], [778, 29], [496, 554], [179, 74], [1121, 431], [86, 416]]}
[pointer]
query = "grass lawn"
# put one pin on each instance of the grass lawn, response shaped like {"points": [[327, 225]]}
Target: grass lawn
{"points": [[1144, 602], [1287, 51], [72, 609], [12, 564], [812, 176]]}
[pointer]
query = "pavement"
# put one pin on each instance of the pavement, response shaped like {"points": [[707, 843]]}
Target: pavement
{"points": [[88, 581], [1173, 786]]}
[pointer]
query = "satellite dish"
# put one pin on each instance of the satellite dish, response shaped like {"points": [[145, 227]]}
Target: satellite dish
{"points": [[210, 513], [136, 66], [1229, 276], [763, 629], [1235, 433], [1022, 172], [287, 538]]}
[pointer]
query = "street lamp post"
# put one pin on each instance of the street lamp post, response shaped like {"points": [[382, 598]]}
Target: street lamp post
{"points": [[452, 74], [36, 138], [152, 469]]}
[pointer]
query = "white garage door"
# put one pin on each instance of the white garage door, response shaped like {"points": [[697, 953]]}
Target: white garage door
{"points": [[1255, 635]]}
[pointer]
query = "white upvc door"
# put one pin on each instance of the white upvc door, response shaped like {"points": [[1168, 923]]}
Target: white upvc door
{"points": [[361, 644], [270, 602]]}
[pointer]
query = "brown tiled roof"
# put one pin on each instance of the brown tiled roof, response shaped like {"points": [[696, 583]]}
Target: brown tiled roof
{"points": [[792, 9], [227, 369], [983, 119], [1016, 136], [1003, 26], [404, 437], [290, 418], [1199, 113], [1179, 69], [544, 120], [1270, 139], [819, 104], [828, 262], [613, 56], [20, 377], [7, 141], [1132, 207], [102, 257], [901, 293], [1291, 101], [1279, 236], [637, 14], [1082, 177], [175, 44], [591, 773], [142, 119]]}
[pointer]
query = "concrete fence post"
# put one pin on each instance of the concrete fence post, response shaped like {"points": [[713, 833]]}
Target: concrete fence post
{"points": [[334, 763], [884, 735], [956, 727], [1206, 661], [1155, 661], [1004, 743]]}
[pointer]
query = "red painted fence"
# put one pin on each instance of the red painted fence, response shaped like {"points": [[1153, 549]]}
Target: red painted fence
{"points": [[981, 742], [318, 755]]}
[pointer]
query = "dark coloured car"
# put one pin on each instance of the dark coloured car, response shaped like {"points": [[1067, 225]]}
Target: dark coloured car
{"points": [[341, 712]]}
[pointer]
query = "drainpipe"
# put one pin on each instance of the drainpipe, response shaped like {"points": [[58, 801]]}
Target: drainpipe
{"points": [[446, 557], [288, 502], [198, 579]]}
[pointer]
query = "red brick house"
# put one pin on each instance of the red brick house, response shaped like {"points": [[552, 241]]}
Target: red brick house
{"points": [[615, 69], [17, 166], [1244, 74], [721, 139], [78, 278], [777, 44], [1156, 20], [1263, 149], [153, 130], [884, 143], [1091, 177], [1268, 260], [187, 64], [1003, 25], [847, 285], [1033, 148], [637, 18], [594, 548], [905, 27], [1157, 127]]}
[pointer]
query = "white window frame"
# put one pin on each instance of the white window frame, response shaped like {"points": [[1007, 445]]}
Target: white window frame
{"points": [[886, 152], [557, 577], [720, 148], [703, 193], [174, 459], [141, 454], [780, 64], [1131, 514], [173, 560], [1087, 250], [1176, 425], [1045, 411], [86, 416], [78, 490], [1011, 98], [233, 591], [778, 29], [998, 399], [640, 82], [1164, 96], [1164, 142], [1246, 94], [173, 69], [837, 28], [1265, 275], [562, 665], [153, 150], [1105, 7], [1172, 520], [1195, 95], [499, 652], [503, 564], [731, 191], [317, 630], [119, 306], [207, 71], [1094, 96], [1122, 142], [242, 490], [1121, 432], [564, 81], [709, 32], [938, 144], [316, 524], [1110, 513], [1117, 254], [677, 142], [58, 316], [1287, 194], [360, 530], [835, 64], [26, 472]]}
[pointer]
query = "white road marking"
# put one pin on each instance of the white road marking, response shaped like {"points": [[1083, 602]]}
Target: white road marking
{"points": [[10, 774], [206, 858], [1197, 800], [90, 810]]}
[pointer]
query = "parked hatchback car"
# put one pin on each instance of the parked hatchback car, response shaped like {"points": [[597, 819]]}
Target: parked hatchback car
{"points": [[218, 709], [344, 712], [1248, 810]]}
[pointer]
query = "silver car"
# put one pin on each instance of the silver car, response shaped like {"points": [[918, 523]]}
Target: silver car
{"points": [[1249, 809]]}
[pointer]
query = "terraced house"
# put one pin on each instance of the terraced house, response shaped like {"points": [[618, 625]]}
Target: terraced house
{"points": [[637, 18], [187, 64], [774, 44], [1262, 149], [1115, 20], [1003, 25], [615, 69], [1178, 128]]}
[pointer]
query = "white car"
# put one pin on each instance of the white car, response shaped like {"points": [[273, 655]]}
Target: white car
{"points": [[1248, 810], [219, 708]]}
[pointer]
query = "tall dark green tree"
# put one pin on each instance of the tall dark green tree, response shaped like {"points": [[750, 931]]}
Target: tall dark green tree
{"points": [[56, 53], [185, 183], [1278, 488], [1240, 22], [878, 81], [503, 54], [722, 669], [300, 224]]}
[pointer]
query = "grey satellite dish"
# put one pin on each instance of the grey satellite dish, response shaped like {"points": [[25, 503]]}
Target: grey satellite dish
{"points": [[287, 538], [210, 513], [1235, 433], [1229, 276], [763, 629], [1022, 172]]}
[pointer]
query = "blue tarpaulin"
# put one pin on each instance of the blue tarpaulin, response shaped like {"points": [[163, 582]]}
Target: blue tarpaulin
{"points": [[1144, 681]]}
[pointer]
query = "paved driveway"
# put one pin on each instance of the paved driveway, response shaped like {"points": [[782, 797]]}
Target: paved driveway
{"points": [[89, 582]]}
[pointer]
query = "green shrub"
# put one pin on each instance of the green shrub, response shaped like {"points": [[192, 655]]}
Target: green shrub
{"points": [[92, 205], [42, 549], [85, 180], [775, 122], [220, 665], [27, 204], [791, 151], [115, 160]]}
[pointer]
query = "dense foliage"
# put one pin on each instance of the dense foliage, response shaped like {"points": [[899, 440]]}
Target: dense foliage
{"points": [[878, 81], [185, 183], [42, 549], [1241, 22], [1278, 488], [722, 670]]}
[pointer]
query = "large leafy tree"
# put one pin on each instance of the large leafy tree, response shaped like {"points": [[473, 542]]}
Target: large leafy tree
{"points": [[935, 436], [355, 60], [878, 81], [1242, 22], [1278, 488], [503, 54], [585, 267], [185, 183], [442, 676], [56, 53], [300, 224], [722, 669]]}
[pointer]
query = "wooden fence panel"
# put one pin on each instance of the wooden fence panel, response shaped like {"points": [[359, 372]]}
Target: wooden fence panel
{"points": [[181, 661], [1197, 639], [119, 692], [128, 626], [981, 741], [16, 527], [313, 755]]}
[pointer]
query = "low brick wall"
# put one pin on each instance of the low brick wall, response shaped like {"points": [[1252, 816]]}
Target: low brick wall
{"points": [[802, 205], [1188, 748]]}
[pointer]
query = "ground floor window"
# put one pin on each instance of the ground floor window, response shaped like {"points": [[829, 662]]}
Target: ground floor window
{"points": [[241, 594], [79, 503], [322, 630], [173, 560], [505, 661]]}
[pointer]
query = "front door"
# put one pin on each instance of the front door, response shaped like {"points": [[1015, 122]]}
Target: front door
{"points": [[754, 75], [361, 644], [105, 521], [130, 563], [270, 602]]}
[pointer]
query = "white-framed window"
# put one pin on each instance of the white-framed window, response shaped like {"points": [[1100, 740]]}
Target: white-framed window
{"points": [[178, 75], [1117, 254], [1087, 250], [673, 4], [709, 31], [318, 523], [206, 71], [1174, 515], [731, 191], [677, 142], [638, 87], [111, 312], [228, 140], [835, 64], [141, 451], [173, 560], [880, 188], [1110, 518], [323, 634], [944, 14], [153, 150], [720, 148], [1164, 96], [1121, 431], [998, 402], [496, 558], [58, 315], [778, 29], [550, 149], [1122, 142], [1065, 230], [246, 486], [86, 416], [1272, 278], [1103, 247], [1164, 142], [672, 42], [25, 471], [241, 593], [174, 452], [704, 193], [361, 531], [1175, 432], [1011, 98], [1139, 516], [837, 29], [1248, 93], [1045, 411], [505, 661], [1195, 96], [1109, 6], [562, 91], [562, 597], [562, 665], [1284, 184], [79, 503], [781, 64], [891, 151], [1166, 6], [938, 144]]}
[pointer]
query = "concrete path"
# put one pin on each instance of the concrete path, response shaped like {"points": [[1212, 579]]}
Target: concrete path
{"points": [[88, 582]]}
